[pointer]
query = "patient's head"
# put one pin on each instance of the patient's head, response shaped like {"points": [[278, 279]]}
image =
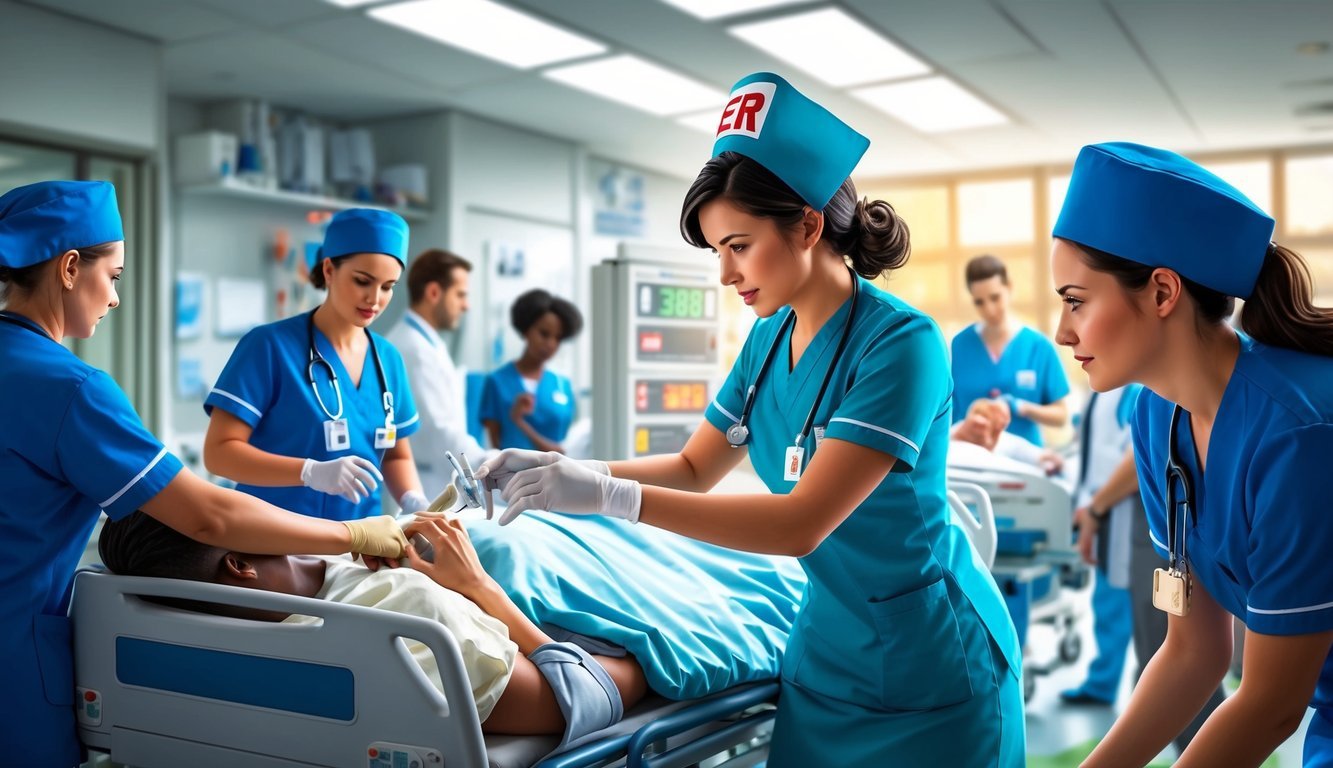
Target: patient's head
{"points": [[139, 545]]}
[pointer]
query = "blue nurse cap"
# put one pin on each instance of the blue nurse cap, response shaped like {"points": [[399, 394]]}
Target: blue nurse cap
{"points": [[365, 230], [1161, 209], [805, 145], [43, 220]]}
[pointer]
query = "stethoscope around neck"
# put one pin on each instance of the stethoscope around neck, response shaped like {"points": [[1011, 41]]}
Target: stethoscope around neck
{"points": [[738, 434], [1179, 511], [317, 359]]}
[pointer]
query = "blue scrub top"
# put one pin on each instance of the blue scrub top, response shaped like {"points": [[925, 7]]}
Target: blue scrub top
{"points": [[265, 384], [1264, 534], [900, 613], [552, 413], [1029, 369], [71, 447]]}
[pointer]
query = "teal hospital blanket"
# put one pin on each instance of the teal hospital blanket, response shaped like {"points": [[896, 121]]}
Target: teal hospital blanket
{"points": [[698, 618]]}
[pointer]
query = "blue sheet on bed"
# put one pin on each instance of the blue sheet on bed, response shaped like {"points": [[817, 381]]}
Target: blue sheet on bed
{"points": [[698, 618]]}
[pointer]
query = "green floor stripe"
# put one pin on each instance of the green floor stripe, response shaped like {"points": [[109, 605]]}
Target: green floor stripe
{"points": [[1072, 757]]}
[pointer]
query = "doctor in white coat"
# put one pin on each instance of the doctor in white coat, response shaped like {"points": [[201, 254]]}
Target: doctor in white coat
{"points": [[437, 284]]}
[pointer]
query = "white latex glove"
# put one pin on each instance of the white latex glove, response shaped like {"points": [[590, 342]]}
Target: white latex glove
{"points": [[570, 486], [413, 502], [496, 471], [350, 477]]}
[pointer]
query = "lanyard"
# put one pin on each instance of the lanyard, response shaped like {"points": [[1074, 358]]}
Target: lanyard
{"points": [[420, 328], [1180, 512], [24, 323], [317, 359]]}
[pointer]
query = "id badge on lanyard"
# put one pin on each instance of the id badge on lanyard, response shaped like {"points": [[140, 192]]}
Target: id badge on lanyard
{"points": [[387, 435], [336, 435]]}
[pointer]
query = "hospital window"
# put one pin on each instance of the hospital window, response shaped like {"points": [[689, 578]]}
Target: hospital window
{"points": [[995, 213], [1308, 190], [1254, 178]]}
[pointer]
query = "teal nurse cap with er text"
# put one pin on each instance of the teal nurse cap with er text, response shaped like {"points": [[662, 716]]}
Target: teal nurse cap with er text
{"points": [[800, 142]]}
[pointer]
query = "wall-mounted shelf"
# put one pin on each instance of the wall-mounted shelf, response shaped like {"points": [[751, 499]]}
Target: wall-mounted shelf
{"points": [[240, 190]]}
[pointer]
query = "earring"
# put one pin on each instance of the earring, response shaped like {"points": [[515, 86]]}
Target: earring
{"points": [[69, 286]]}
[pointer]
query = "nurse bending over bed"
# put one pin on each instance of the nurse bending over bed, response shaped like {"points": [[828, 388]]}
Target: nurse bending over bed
{"points": [[72, 447], [522, 681], [903, 652]]}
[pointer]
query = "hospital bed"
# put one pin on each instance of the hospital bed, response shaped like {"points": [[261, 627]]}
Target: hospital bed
{"points": [[1036, 563], [161, 686]]}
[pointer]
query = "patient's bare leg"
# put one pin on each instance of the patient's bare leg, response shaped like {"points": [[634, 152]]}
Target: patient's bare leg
{"points": [[528, 705]]}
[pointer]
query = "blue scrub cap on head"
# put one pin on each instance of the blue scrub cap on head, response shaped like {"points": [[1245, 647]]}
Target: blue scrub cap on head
{"points": [[805, 145], [1161, 209], [364, 230], [40, 221]]}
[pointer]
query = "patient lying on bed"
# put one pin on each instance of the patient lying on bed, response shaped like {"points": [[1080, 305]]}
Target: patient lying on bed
{"points": [[522, 681]]}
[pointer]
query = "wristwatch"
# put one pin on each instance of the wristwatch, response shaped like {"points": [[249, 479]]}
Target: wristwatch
{"points": [[1098, 514]]}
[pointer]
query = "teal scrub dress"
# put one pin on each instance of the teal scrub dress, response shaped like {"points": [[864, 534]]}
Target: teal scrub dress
{"points": [[1264, 533], [266, 384], [1028, 369], [903, 652], [71, 448], [552, 408]]}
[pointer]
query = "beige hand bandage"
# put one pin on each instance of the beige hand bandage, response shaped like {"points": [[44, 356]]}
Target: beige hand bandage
{"points": [[381, 536]]}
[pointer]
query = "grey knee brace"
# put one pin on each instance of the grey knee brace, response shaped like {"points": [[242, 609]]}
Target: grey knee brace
{"points": [[587, 695]]}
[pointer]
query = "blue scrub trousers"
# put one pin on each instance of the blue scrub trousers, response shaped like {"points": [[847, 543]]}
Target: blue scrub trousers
{"points": [[1113, 629]]}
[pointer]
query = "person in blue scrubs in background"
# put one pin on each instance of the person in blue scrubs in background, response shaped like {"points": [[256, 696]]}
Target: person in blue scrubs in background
{"points": [[1002, 359], [903, 652], [1151, 251], [313, 412], [72, 447], [1106, 500], [525, 404]]}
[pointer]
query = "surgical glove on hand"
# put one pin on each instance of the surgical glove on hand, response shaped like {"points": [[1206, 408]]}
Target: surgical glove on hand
{"points": [[413, 502], [350, 477], [379, 536], [569, 486], [499, 468]]}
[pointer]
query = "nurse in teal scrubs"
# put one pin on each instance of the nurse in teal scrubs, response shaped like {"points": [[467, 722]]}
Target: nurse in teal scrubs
{"points": [[1232, 438], [1002, 359], [72, 447], [903, 653], [525, 404], [313, 412]]}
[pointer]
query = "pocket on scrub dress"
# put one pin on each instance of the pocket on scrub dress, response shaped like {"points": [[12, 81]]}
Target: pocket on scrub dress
{"points": [[925, 666], [55, 658]]}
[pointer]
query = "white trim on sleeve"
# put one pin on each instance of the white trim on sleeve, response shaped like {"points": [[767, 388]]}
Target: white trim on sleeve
{"points": [[1155, 541], [1277, 611], [725, 412], [135, 480], [415, 418], [888, 432], [230, 396]]}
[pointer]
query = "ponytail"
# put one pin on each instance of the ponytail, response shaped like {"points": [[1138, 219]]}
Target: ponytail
{"points": [[1281, 311]]}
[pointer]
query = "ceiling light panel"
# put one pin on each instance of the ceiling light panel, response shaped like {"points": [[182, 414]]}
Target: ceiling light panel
{"points": [[707, 122], [489, 29], [718, 9], [931, 105], [641, 84], [832, 46], [351, 3]]}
